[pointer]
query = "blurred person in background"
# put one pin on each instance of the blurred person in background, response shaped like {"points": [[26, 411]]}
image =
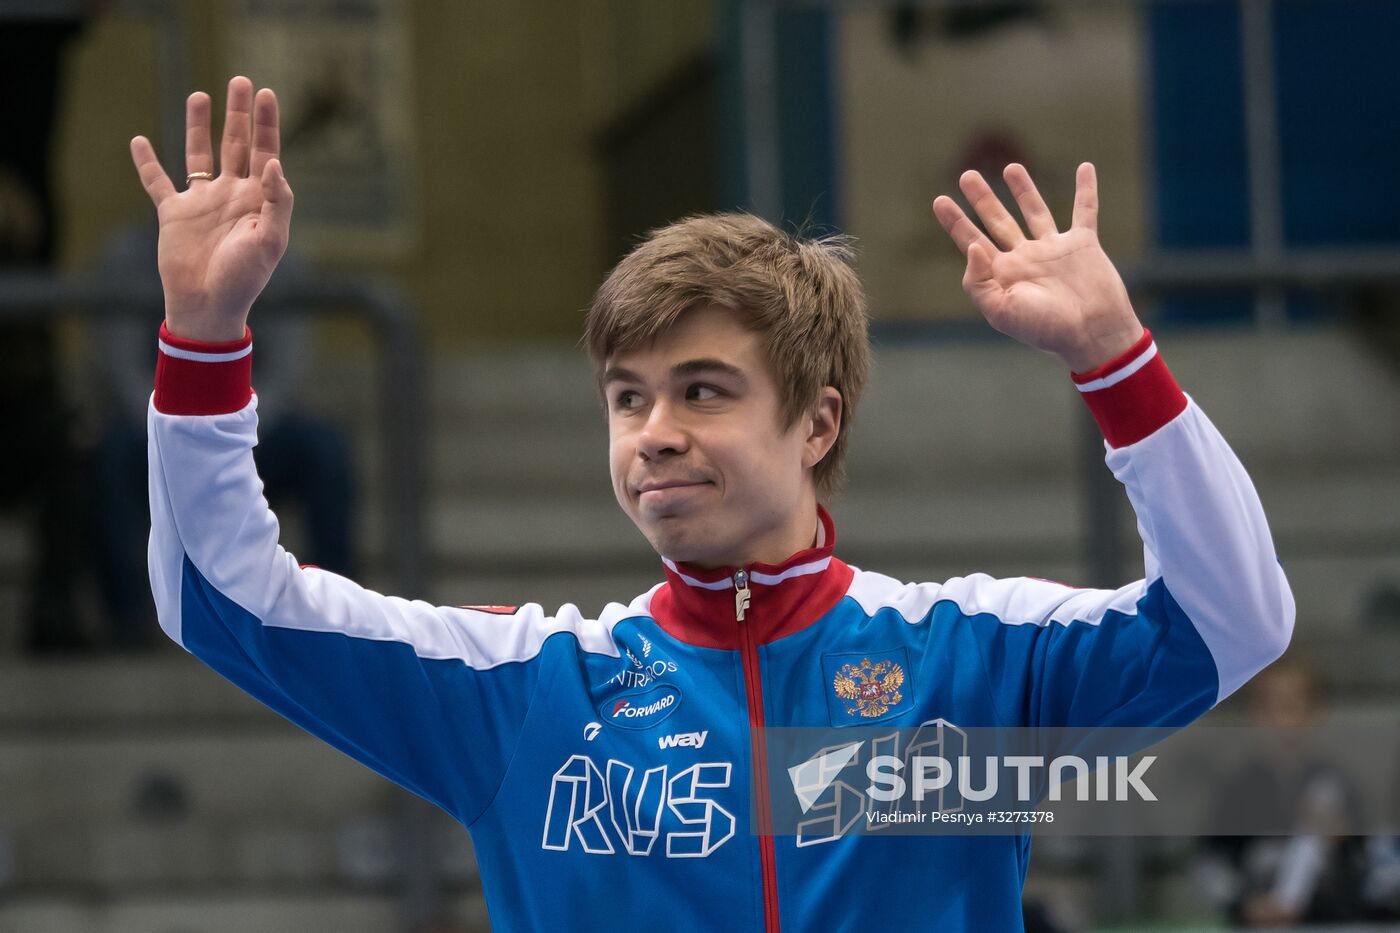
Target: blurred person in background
{"points": [[303, 458], [1323, 872], [42, 477]]}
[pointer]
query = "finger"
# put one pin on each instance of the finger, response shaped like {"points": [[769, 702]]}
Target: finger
{"points": [[153, 177], [267, 142], [1086, 198], [993, 214], [1038, 219], [275, 219], [199, 153], [233, 153], [963, 231]]}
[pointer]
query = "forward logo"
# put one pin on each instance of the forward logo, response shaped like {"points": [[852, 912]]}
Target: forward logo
{"points": [[683, 740], [642, 710]]}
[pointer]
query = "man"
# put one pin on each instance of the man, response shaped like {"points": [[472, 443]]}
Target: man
{"points": [[1319, 874], [606, 767]]}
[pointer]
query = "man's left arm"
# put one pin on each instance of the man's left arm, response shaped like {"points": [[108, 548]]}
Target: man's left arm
{"points": [[1209, 559], [1213, 593]]}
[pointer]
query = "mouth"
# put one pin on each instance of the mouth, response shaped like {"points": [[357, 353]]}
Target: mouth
{"points": [[669, 484], [665, 495]]}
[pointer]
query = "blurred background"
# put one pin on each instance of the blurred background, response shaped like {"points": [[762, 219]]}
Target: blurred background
{"points": [[466, 174]]}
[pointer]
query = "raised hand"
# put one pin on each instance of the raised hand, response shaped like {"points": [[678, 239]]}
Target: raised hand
{"points": [[221, 238], [1055, 291]]}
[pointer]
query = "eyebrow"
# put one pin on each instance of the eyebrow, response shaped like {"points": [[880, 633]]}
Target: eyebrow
{"points": [[680, 371]]}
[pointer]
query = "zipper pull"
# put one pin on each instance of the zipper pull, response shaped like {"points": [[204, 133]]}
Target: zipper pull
{"points": [[742, 596]]}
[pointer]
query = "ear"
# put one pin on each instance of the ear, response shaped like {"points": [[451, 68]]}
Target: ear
{"points": [[824, 426]]}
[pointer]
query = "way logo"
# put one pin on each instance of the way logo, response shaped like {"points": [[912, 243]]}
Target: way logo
{"points": [[684, 740], [641, 710]]}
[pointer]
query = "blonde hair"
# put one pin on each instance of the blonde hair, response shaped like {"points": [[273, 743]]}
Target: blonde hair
{"points": [[800, 294]]}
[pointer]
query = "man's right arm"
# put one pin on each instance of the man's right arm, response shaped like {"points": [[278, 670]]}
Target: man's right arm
{"points": [[433, 698]]}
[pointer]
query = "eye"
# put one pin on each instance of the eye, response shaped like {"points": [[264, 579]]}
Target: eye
{"points": [[626, 399], [702, 393]]}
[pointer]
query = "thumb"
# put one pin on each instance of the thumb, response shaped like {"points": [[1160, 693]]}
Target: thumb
{"points": [[979, 268], [979, 283], [276, 214]]}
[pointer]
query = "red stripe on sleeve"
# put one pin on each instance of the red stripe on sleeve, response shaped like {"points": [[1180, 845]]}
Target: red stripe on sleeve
{"points": [[1137, 406], [199, 387]]}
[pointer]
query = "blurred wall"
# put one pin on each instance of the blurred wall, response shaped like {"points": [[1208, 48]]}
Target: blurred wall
{"points": [[927, 94], [508, 105]]}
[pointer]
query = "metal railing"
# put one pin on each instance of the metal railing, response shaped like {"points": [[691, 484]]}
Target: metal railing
{"points": [[400, 391]]}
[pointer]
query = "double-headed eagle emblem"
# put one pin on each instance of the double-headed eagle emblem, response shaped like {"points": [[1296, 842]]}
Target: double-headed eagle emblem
{"points": [[873, 688]]}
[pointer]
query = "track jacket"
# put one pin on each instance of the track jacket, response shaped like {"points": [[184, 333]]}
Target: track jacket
{"points": [[603, 766]]}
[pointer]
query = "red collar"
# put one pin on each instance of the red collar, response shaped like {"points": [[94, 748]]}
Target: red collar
{"points": [[698, 606]]}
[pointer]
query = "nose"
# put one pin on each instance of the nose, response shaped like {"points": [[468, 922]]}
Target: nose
{"points": [[662, 434]]}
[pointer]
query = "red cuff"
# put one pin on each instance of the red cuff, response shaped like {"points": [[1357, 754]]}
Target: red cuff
{"points": [[196, 378], [1132, 395]]}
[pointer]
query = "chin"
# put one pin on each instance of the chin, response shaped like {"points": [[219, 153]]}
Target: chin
{"points": [[679, 539]]}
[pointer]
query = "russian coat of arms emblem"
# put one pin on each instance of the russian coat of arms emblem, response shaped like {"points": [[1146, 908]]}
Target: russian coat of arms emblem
{"points": [[870, 689]]}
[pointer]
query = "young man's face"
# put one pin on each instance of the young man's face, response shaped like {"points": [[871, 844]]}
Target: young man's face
{"points": [[698, 454]]}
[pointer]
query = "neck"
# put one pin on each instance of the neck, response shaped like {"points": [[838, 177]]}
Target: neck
{"points": [[802, 532]]}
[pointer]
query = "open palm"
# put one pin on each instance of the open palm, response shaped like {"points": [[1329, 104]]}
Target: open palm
{"points": [[1055, 291], [220, 239]]}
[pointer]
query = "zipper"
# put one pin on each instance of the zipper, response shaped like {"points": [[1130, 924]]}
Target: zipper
{"points": [[758, 751], [742, 596]]}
